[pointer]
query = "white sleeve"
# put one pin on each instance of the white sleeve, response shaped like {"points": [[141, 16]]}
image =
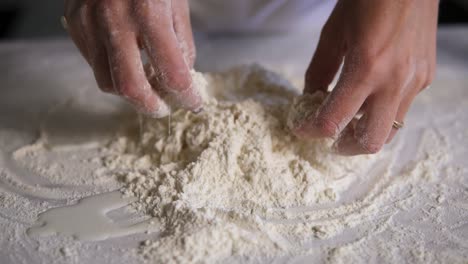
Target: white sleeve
{"points": [[259, 15]]}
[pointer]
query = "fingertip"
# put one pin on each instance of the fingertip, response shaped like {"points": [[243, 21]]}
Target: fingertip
{"points": [[160, 111], [178, 94], [352, 147], [317, 127], [346, 144], [150, 105], [353, 142], [189, 98], [182, 91]]}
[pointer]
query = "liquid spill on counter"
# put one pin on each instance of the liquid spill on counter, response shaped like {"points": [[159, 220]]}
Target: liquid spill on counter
{"points": [[88, 219]]}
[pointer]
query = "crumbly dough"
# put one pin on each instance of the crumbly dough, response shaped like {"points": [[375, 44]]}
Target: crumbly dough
{"points": [[232, 185], [211, 177]]}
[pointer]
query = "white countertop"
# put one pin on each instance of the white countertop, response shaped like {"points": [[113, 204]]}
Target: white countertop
{"points": [[39, 77]]}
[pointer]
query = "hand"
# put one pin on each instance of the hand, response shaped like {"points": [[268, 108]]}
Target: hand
{"points": [[110, 35], [389, 52]]}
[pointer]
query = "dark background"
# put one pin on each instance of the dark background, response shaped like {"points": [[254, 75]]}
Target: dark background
{"points": [[26, 19]]}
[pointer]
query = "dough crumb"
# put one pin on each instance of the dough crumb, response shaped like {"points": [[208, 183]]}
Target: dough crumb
{"points": [[214, 178]]}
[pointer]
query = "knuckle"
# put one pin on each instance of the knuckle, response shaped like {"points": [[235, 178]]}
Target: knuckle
{"points": [[367, 65], [395, 94], [106, 13], [145, 12], [402, 72], [424, 78], [392, 93], [420, 79], [368, 58], [376, 63]]}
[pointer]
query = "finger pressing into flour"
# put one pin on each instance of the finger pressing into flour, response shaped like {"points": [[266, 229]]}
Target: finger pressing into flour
{"points": [[166, 57], [372, 129], [128, 75], [339, 108], [403, 109]]}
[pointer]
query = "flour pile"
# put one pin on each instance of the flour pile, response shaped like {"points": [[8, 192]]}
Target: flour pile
{"points": [[229, 185], [211, 179]]}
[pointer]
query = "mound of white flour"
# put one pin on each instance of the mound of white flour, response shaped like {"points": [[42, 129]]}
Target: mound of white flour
{"points": [[210, 179]]}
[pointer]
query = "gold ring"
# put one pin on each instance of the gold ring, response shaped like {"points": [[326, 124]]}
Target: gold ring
{"points": [[398, 125], [64, 22]]}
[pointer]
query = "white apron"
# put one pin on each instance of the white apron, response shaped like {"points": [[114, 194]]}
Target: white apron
{"points": [[259, 15]]}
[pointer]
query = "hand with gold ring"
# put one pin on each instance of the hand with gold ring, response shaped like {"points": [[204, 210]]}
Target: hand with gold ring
{"points": [[397, 125], [111, 36], [388, 52]]}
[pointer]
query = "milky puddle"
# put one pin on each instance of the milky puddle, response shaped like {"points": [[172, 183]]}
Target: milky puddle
{"points": [[89, 219]]}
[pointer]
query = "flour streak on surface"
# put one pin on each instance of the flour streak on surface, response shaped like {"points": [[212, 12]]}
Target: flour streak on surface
{"points": [[232, 184], [232, 180]]}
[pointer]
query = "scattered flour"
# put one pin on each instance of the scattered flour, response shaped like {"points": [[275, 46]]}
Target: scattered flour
{"points": [[211, 178], [232, 184]]}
